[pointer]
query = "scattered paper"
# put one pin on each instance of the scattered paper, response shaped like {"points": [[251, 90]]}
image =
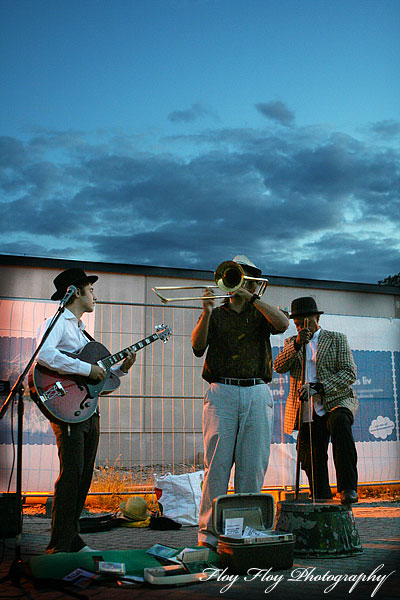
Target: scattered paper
{"points": [[81, 578], [254, 533], [234, 527], [164, 552], [194, 554]]}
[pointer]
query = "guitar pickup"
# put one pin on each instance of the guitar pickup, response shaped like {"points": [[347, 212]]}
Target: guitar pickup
{"points": [[56, 390]]}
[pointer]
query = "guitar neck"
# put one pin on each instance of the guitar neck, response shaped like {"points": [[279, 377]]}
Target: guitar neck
{"points": [[118, 356]]}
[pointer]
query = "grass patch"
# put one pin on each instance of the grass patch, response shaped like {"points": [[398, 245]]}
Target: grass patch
{"points": [[383, 492], [111, 481]]}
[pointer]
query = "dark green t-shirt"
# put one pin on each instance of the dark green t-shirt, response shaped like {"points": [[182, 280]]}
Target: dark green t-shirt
{"points": [[238, 344]]}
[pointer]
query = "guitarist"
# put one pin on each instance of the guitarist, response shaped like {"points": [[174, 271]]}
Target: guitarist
{"points": [[76, 442]]}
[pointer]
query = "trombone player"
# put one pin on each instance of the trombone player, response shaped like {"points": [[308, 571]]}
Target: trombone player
{"points": [[238, 405]]}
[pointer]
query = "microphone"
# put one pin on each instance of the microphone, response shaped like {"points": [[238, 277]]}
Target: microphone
{"points": [[71, 290]]}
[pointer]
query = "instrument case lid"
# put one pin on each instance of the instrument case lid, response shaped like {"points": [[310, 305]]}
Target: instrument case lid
{"points": [[257, 510]]}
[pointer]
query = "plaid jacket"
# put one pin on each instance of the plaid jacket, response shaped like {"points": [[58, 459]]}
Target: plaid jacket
{"points": [[335, 370]]}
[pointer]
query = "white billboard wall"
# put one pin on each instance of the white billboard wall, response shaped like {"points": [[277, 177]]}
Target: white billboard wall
{"points": [[374, 341]]}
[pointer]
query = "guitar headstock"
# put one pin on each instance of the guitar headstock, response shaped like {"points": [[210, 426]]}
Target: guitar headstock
{"points": [[163, 332]]}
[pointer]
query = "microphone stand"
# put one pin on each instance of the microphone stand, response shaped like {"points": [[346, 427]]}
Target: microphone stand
{"points": [[16, 569], [300, 416]]}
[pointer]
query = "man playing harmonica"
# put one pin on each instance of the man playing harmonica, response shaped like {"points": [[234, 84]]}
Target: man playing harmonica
{"points": [[330, 371]]}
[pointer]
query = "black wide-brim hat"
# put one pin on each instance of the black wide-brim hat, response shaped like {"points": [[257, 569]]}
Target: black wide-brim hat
{"points": [[69, 277], [301, 307]]}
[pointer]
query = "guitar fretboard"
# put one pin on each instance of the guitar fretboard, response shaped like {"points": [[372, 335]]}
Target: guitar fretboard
{"points": [[114, 358]]}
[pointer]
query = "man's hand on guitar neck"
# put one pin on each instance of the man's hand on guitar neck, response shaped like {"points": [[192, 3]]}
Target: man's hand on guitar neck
{"points": [[97, 373], [129, 360]]}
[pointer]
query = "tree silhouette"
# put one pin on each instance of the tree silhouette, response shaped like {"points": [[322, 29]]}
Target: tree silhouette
{"points": [[391, 280]]}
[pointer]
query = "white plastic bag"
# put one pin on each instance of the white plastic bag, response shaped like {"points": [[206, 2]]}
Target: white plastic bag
{"points": [[181, 496]]}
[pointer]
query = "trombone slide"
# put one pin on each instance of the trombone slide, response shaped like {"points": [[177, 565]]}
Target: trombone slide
{"points": [[164, 300], [229, 277]]}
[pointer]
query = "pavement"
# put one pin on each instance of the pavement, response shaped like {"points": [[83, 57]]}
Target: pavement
{"points": [[374, 573]]}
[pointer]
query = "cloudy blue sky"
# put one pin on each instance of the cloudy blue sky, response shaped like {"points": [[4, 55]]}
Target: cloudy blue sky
{"points": [[182, 132]]}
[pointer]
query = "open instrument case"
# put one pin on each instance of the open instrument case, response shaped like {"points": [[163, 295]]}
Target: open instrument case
{"points": [[267, 549]]}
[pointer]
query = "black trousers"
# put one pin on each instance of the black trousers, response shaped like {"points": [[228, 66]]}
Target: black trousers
{"points": [[77, 447], [335, 425]]}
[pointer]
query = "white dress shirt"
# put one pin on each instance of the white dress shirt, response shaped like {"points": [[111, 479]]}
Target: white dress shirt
{"points": [[311, 372], [68, 336]]}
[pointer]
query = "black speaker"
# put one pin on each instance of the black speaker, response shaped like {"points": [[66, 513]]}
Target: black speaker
{"points": [[10, 511], [4, 387]]}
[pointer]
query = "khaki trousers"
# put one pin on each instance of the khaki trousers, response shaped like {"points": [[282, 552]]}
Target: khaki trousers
{"points": [[237, 430]]}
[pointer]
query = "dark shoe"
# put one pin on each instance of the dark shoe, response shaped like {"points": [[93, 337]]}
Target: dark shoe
{"points": [[207, 545], [163, 523], [348, 497]]}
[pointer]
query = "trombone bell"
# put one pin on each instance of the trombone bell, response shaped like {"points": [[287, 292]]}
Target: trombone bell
{"points": [[229, 277]]}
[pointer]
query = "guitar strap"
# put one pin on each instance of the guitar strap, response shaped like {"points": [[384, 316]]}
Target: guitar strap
{"points": [[89, 337]]}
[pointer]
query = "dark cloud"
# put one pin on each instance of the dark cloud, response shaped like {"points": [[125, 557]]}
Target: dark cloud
{"points": [[386, 129], [276, 111], [339, 256], [12, 153], [299, 203], [195, 112]]}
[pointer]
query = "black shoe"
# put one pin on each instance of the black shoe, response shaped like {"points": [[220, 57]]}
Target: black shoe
{"points": [[348, 497]]}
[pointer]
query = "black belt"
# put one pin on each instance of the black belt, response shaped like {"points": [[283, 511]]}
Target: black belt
{"points": [[240, 382]]}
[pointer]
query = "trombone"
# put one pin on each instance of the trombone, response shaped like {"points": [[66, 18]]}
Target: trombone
{"points": [[229, 277]]}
